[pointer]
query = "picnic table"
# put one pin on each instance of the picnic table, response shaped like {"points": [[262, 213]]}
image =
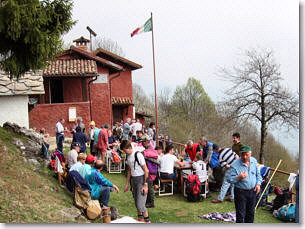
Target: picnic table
{"points": [[180, 171]]}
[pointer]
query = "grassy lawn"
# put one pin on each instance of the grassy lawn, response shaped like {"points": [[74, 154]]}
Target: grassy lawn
{"points": [[176, 209], [30, 196]]}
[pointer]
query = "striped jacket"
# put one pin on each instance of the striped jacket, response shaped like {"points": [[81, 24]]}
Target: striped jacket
{"points": [[226, 156]]}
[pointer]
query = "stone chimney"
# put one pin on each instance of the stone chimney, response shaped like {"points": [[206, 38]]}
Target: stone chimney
{"points": [[82, 43]]}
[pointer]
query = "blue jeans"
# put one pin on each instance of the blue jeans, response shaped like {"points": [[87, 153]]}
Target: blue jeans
{"points": [[169, 176], [297, 199], [244, 201], [105, 195], [59, 141], [224, 188]]}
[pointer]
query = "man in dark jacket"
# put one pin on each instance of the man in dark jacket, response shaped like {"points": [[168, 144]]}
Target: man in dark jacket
{"points": [[81, 138]]}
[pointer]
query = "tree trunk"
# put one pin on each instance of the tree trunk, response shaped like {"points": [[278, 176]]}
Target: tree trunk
{"points": [[263, 141]]}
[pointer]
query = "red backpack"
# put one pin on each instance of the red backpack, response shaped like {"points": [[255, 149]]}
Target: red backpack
{"points": [[193, 188]]}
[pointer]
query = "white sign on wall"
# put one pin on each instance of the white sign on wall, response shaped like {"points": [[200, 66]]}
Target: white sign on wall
{"points": [[72, 114], [101, 78]]}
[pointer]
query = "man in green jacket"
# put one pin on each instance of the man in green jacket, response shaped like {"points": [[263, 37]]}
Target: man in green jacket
{"points": [[236, 143]]}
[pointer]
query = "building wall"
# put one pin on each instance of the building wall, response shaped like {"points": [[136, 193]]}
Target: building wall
{"points": [[122, 85], [72, 90], [14, 109], [47, 115], [100, 100]]}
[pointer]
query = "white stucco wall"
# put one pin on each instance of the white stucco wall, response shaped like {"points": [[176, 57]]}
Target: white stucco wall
{"points": [[14, 109]]}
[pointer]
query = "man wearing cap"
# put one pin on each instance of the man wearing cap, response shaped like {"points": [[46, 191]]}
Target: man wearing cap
{"points": [[72, 154], [92, 128], [245, 175]]}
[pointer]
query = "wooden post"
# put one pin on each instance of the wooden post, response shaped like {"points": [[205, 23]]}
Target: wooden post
{"points": [[59, 178], [267, 184]]}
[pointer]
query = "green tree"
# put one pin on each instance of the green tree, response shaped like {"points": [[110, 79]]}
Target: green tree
{"points": [[257, 95], [191, 103], [30, 32]]}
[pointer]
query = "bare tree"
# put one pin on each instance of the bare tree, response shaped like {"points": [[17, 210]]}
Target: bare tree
{"points": [[141, 100], [257, 95], [109, 45]]}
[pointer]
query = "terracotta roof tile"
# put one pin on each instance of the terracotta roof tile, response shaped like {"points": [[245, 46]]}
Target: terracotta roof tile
{"points": [[76, 67], [121, 101]]}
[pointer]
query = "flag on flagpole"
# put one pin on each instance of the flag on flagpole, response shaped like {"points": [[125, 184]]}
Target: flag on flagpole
{"points": [[144, 28]]}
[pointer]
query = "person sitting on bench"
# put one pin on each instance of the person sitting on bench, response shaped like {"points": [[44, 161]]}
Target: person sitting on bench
{"points": [[167, 163]]}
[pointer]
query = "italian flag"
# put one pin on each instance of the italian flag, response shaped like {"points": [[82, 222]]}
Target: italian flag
{"points": [[144, 28]]}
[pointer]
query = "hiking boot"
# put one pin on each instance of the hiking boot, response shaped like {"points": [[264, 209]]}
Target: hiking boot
{"points": [[229, 199], [216, 201], [140, 218], [147, 220]]}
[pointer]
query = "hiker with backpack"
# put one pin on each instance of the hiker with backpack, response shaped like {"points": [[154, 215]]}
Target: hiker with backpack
{"points": [[138, 175], [151, 159]]}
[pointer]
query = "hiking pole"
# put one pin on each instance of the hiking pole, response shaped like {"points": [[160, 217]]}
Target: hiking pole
{"points": [[267, 184]]}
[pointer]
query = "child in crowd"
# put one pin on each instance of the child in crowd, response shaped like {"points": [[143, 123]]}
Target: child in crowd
{"points": [[200, 167]]}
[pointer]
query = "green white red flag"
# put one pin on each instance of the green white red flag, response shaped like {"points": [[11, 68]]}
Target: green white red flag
{"points": [[144, 28]]}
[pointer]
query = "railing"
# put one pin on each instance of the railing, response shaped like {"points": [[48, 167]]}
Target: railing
{"points": [[178, 146]]}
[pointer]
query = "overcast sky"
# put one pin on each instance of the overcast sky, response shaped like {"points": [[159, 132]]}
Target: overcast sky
{"points": [[193, 37]]}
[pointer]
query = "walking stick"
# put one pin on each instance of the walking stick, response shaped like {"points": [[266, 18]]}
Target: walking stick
{"points": [[267, 184]]}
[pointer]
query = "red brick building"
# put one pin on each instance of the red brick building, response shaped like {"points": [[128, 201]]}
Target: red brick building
{"points": [[95, 85]]}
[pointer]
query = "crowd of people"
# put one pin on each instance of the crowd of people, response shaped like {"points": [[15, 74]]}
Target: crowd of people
{"points": [[232, 169]]}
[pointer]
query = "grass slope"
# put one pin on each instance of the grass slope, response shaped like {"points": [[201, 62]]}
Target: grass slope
{"points": [[28, 196]]}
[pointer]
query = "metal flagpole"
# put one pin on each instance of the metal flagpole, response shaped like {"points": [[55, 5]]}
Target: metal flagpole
{"points": [[154, 65]]}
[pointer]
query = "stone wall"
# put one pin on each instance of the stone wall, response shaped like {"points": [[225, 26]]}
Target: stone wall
{"points": [[30, 148], [28, 84]]}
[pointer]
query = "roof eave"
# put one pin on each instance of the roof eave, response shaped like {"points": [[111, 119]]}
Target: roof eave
{"points": [[98, 59], [129, 63]]}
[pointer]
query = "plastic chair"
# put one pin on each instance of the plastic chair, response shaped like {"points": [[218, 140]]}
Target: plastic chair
{"points": [[112, 167]]}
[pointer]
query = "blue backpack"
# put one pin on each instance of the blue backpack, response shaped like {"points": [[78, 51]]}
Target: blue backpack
{"points": [[287, 213]]}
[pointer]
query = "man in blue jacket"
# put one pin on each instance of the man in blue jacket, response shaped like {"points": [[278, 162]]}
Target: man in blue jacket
{"points": [[245, 175], [100, 186]]}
